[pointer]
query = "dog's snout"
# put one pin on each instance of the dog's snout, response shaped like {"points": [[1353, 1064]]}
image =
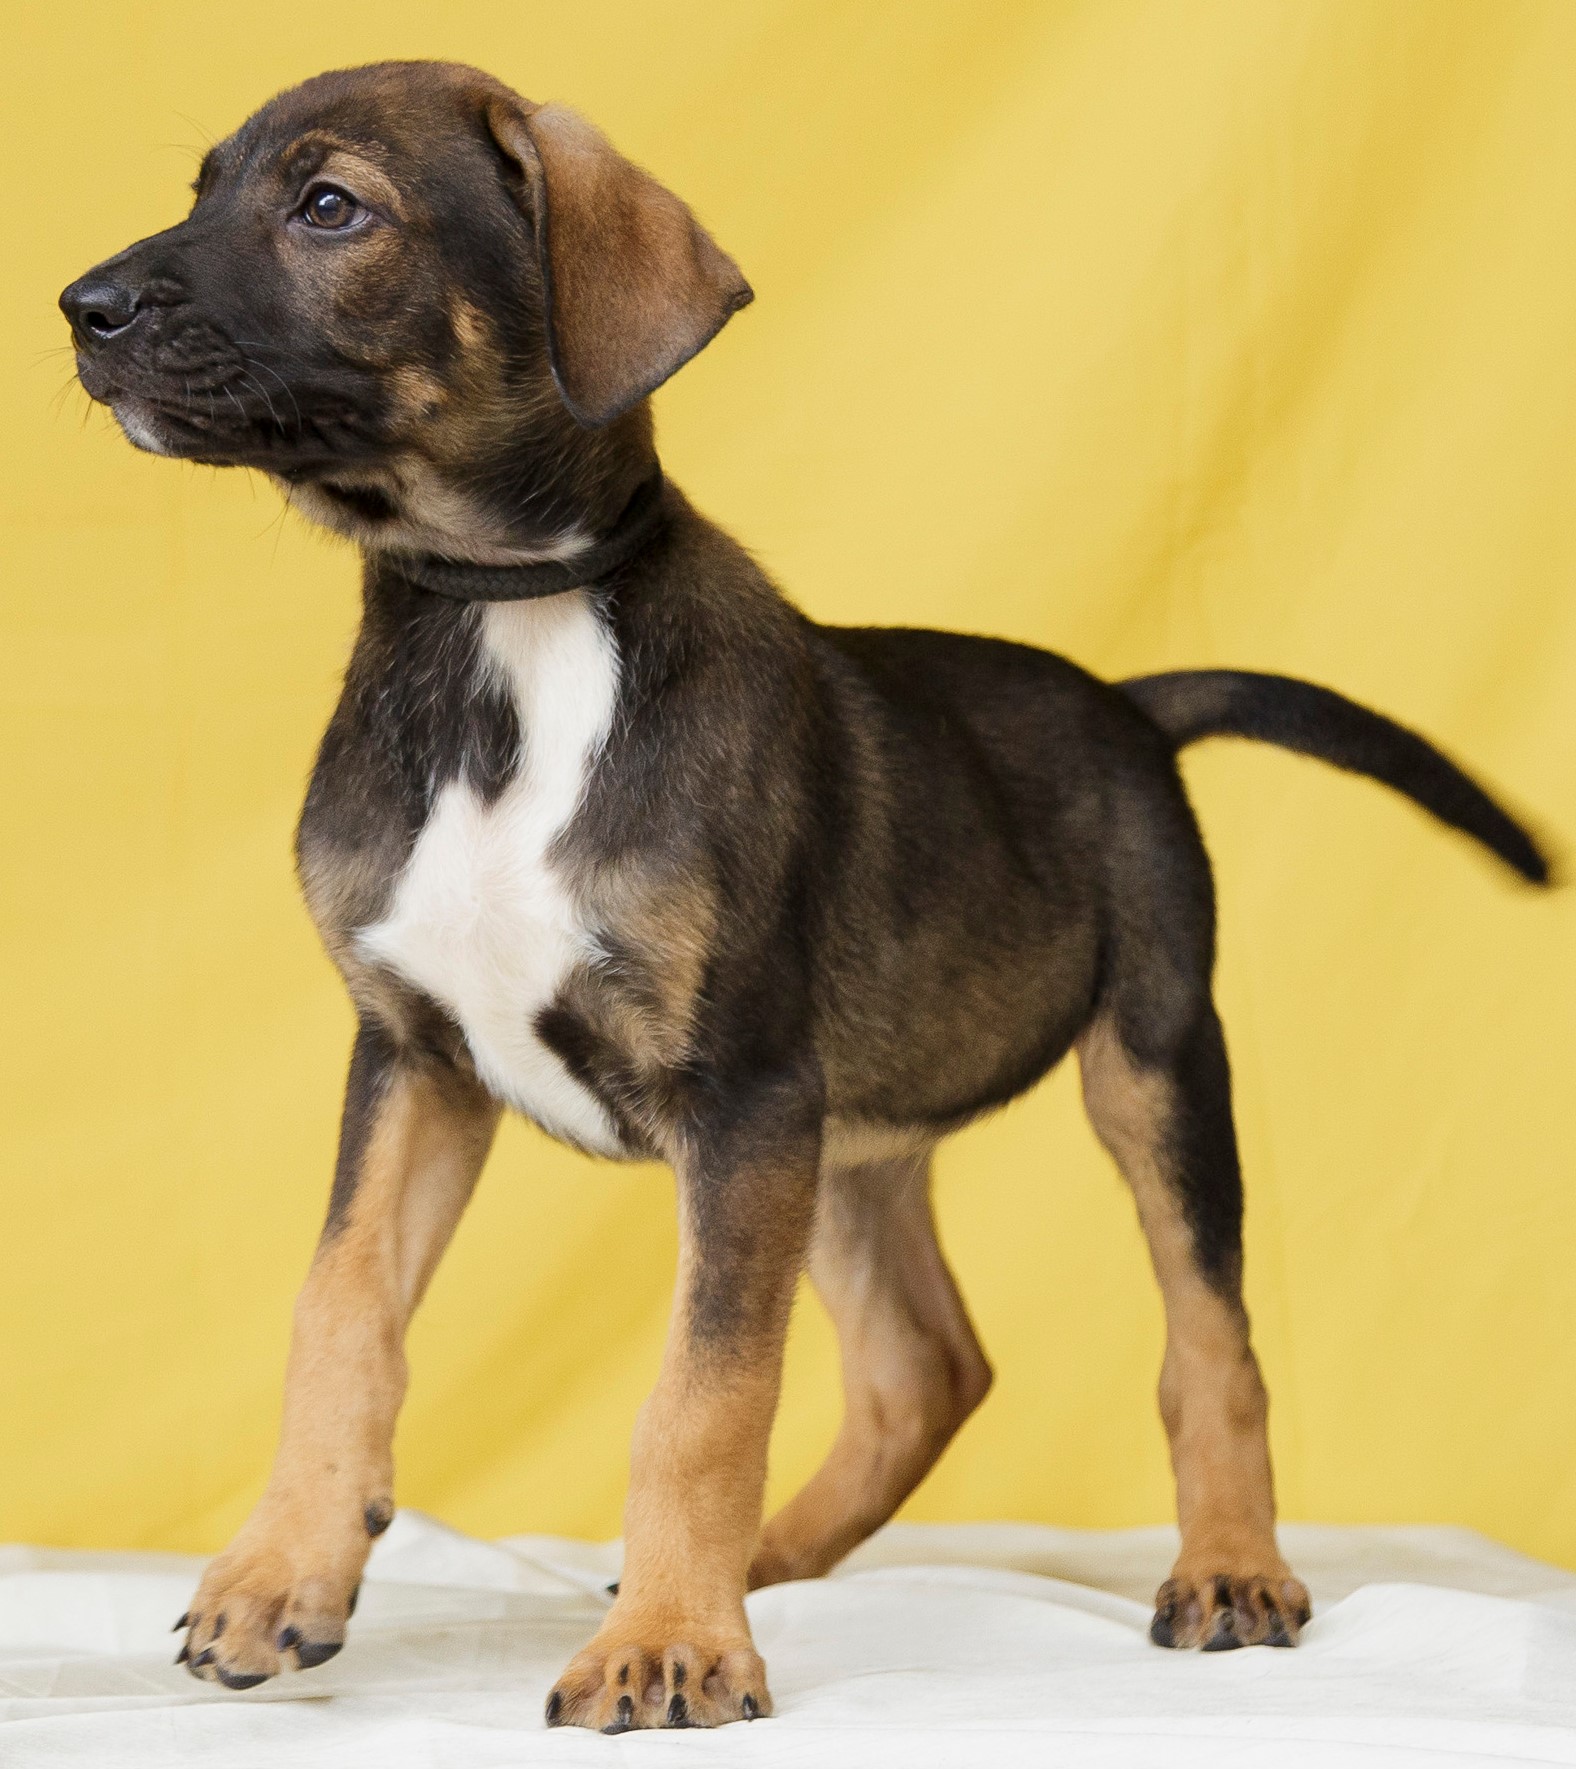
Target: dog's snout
{"points": [[99, 309]]}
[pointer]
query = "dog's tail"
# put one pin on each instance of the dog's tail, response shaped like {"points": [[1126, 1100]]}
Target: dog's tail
{"points": [[1190, 704]]}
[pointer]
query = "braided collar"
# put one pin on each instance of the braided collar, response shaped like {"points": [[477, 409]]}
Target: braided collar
{"points": [[637, 524]]}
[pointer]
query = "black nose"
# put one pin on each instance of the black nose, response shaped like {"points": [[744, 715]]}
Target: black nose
{"points": [[98, 309]]}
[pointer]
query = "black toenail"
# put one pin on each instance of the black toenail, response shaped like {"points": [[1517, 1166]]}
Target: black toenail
{"points": [[555, 1706], [612, 1590], [186, 1616], [750, 1710], [202, 1658], [288, 1637], [184, 1653], [626, 1717], [678, 1711], [1224, 1636], [378, 1516], [218, 1626], [679, 1672], [355, 1598], [316, 1652], [232, 1681], [1277, 1636], [1161, 1630], [623, 1675]]}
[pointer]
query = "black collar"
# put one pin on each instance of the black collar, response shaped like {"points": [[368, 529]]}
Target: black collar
{"points": [[640, 519]]}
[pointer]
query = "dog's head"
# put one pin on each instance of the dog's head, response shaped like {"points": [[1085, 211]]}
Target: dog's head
{"points": [[428, 307]]}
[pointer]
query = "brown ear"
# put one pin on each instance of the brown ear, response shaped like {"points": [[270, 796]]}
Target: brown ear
{"points": [[635, 286]]}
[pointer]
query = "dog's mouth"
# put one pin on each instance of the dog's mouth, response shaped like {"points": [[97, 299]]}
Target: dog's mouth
{"points": [[160, 428], [309, 440], [328, 433], [234, 413]]}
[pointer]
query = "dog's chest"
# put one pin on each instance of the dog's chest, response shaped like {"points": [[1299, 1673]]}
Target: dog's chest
{"points": [[484, 919]]}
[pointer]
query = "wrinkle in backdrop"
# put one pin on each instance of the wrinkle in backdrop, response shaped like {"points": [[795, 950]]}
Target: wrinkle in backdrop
{"points": [[1162, 334]]}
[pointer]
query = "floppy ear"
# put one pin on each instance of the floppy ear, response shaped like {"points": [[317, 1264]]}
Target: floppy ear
{"points": [[635, 285]]}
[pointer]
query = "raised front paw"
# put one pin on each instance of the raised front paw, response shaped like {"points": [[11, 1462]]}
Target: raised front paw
{"points": [[631, 1677], [271, 1604], [1219, 1611]]}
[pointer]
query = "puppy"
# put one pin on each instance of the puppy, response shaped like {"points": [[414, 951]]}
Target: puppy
{"points": [[605, 832]]}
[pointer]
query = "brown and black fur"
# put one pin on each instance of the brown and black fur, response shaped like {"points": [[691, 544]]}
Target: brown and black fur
{"points": [[851, 887]]}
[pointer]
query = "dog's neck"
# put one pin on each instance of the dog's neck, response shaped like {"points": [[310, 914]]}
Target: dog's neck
{"points": [[594, 562], [550, 492]]}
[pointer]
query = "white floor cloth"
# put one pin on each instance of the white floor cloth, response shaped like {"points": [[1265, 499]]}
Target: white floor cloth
{"points": [[979, 1644]]}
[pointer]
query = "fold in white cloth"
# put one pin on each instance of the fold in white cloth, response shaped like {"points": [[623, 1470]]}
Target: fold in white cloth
{"points": [[955, 1646]]}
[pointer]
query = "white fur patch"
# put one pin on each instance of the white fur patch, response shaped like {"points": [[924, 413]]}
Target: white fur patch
{"points": [[481, 920], [138, 428]]}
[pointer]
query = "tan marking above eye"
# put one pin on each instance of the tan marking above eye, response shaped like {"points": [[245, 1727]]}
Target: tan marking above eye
{"points": [[363, 179], [470, 325], [417, 392], [344, 164]]}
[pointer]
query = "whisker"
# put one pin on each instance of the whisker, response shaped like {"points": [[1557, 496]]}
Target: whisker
{"points": [[63, 393], [285, 386], [278, 526], [263, 392], [264, 344], [192, 123], [275, 418]]}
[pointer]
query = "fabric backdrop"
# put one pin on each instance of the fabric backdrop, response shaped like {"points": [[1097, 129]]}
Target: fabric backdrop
{"points": [[1227, 332]]}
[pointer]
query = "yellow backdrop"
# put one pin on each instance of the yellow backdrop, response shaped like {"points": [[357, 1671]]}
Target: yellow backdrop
{"points": [[1232, 331]]}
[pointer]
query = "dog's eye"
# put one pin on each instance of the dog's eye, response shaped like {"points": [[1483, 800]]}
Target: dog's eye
{"points": [[330, 208]]}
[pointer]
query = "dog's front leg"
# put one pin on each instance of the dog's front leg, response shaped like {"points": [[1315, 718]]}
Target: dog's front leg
{"points": [[414, 1137], [675, 1649]]}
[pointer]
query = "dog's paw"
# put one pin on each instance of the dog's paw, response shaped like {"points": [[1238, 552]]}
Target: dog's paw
{"points": [[639, 1677], [257, 1613], [1224, 1610]]}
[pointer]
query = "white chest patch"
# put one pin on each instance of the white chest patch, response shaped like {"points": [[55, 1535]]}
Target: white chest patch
{"points": [[481, 920]]}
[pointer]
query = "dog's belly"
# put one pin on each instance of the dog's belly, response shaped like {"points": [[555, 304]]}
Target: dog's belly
{"points": [[482, 920]]}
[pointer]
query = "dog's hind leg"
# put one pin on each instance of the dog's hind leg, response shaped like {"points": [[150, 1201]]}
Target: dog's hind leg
{"points": [[913, 1370], [1167, 1121], [414, 1138]]}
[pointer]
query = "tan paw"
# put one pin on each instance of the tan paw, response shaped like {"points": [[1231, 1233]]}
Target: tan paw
{"points": [[619, 1684], [1220, 1611], [266, 1605]]}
